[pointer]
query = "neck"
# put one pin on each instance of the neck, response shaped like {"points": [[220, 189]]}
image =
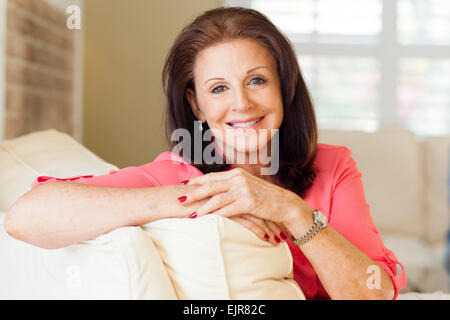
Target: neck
{"points": [[249, 161]]}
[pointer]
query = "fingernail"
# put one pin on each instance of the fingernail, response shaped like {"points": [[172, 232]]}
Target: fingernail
{"points": [[184, 182], [283, 236], [182, 198], [212, 138], [277, 239], [193, 215], [266, 236]]}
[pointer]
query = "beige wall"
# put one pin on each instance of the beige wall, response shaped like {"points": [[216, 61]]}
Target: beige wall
{"points": [[2, 68], [40, 70], [125, 44]]}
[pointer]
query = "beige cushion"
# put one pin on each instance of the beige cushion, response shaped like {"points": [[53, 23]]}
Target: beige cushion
{"points": [[122, 264], [391, 173], [48, 152], [213, 257], [436, 162]]}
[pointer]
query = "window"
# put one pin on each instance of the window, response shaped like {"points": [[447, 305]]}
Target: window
{"points": [[371, 63]]}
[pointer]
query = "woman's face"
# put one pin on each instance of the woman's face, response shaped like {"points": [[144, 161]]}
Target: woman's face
{"points": [[237, 83]]}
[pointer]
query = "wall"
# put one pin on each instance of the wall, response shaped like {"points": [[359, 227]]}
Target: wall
{"points": [[40, 55], [2, 67], [125, 45], [62, 5]]}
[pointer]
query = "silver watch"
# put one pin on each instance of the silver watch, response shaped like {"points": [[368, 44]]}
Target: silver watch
{"points": [[320, 222]]}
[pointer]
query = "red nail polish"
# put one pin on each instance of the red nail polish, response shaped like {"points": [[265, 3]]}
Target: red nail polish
{"points": [[193, 215], [283, 236], [184, 182], [266, 236], [182, 198], [277, 239]]}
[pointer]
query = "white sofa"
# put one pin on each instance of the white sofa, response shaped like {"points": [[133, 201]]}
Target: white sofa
{"points": [[156, 261], [165, 259], [405, 180]]}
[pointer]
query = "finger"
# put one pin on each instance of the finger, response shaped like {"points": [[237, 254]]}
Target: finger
{"points": [[213, 177], [215, 203], [203, 192], [272, 232], [278, 230], [285, 230], [257, 230], [230, 210]]}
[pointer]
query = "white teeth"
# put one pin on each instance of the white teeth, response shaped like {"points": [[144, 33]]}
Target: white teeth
{"points": [[245, 124]]}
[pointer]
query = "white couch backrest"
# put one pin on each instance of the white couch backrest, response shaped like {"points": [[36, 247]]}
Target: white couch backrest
{"points": [[436, 152], [47, 152], [404, 179]]}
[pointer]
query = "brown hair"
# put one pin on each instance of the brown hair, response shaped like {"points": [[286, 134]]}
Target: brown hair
{"points": [[298, 131]]}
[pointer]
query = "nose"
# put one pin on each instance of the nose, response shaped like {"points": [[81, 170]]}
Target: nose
{"points": [[242, 101]]}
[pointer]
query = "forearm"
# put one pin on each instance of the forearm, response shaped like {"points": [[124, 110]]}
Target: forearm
{"points": [[58, 214], [342, 268]]}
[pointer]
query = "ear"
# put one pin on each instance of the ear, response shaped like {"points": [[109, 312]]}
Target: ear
{"points": [[190, 96]]}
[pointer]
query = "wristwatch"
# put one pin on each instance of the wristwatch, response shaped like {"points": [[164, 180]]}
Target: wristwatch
{"points": [[320, 222]]}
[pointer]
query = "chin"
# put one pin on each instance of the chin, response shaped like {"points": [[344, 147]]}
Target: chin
{"points": [[250, 147], [250, 142], [246, 149]]}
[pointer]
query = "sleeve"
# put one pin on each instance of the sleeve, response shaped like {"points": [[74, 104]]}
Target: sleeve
{"points": [[350, 216], [129, 177]]}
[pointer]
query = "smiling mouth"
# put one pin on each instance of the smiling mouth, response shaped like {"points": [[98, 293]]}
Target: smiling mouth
{"points": [[245, 124]]}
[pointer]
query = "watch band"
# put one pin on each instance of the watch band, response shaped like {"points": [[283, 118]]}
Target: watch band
{"points": [[316, 227]]}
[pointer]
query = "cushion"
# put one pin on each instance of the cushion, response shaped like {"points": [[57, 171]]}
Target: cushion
{"points": [[122, 264], [213, 257], [436, 176], [48, 152], [391, 169], [438, 295]]}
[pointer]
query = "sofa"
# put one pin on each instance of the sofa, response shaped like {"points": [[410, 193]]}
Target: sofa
{"points": [[165, 259], [406, 186], [169, 259]]}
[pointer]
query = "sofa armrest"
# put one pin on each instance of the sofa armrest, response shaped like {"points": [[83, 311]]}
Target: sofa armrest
{"points": [[122, 264]]}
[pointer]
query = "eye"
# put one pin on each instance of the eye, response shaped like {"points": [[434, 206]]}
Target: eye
{"points": [[218, 89], [222, 88], [257, 80]]}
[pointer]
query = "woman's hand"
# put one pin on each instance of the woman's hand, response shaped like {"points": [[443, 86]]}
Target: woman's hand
{"points": [[238, 195], [266, 230]]}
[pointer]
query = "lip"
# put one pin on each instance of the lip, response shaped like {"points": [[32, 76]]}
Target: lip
{"points": [[242, 121], [249, 127]]}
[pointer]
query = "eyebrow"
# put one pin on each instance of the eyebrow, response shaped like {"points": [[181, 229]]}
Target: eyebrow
{"points": [[252, 69]]}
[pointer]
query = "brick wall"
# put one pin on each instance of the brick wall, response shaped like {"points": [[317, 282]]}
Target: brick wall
{"points": [[39, 69]]}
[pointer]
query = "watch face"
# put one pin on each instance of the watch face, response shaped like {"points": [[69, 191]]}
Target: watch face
{"points": [[321, 218]]}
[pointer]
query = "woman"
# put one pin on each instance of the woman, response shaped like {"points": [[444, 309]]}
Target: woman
{"points": [[233, 72]]}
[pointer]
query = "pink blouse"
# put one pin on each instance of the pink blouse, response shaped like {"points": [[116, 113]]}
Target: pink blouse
{"points": [[337, 191]]}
